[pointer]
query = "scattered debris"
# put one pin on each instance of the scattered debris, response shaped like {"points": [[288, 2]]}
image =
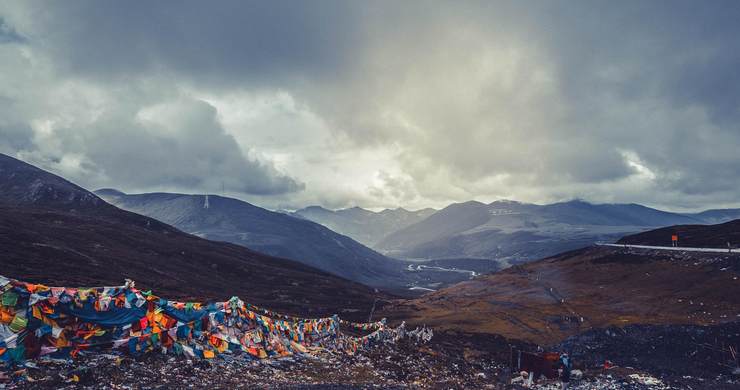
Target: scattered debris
{"points": [[646, 380]]}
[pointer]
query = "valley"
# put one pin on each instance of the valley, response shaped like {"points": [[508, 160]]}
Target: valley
{"points": [[357, 195], [636, 291]]}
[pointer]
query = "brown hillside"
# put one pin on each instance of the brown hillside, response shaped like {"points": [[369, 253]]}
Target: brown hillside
{"points": [[551, 299]]}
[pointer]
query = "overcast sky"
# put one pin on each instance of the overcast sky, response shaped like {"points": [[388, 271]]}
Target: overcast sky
{"points": [[380, 104]]}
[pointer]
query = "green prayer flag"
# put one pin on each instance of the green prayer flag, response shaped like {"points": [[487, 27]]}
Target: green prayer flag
{"points": [[16, 354], [10, 298], [18, 324]]}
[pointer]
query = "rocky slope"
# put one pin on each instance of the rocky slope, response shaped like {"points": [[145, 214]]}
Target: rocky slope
{"points": [[277, 234]]}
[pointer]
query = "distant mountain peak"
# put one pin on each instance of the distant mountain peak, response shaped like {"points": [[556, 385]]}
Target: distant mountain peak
{"points": [[577, 201], [506, 202], [465, 204], [315, 207], [397, 210], [355, 211], [109, 192], [365, 226]]}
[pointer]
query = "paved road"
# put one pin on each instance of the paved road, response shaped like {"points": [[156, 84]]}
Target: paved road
{"points": [[675, 248]]}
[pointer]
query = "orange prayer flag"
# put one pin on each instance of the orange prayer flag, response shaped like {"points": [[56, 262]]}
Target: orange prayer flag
{"points": [[5, 317], [36, 312]]}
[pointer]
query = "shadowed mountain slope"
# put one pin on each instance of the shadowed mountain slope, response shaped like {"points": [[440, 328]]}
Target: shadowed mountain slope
{"points": [[232, 220]]}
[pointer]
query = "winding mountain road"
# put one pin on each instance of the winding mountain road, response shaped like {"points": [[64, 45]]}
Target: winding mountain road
{"points": [[674, 248]]}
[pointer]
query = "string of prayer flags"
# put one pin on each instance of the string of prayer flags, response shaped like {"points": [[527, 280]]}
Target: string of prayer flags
{"points": [[59, 322]]}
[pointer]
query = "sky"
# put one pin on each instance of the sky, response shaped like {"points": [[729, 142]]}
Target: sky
{"points": [[379, 104]]}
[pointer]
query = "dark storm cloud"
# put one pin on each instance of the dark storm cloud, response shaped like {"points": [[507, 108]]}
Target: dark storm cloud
{"points": [[15, 137], [254, 43], [8, 33], [108, 51], [677, 51], [679, 57]]}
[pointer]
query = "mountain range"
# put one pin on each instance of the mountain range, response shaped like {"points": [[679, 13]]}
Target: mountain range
{"points": [[57, 233], [365, 226], [226, 219], [509, 232], [514, 232]]}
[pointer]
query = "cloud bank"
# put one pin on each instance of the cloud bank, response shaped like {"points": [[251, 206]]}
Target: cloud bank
{"points": [[380, 104]]}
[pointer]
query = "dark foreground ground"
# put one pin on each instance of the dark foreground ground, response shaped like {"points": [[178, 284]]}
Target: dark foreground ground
{"points": [[646, 357]]}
